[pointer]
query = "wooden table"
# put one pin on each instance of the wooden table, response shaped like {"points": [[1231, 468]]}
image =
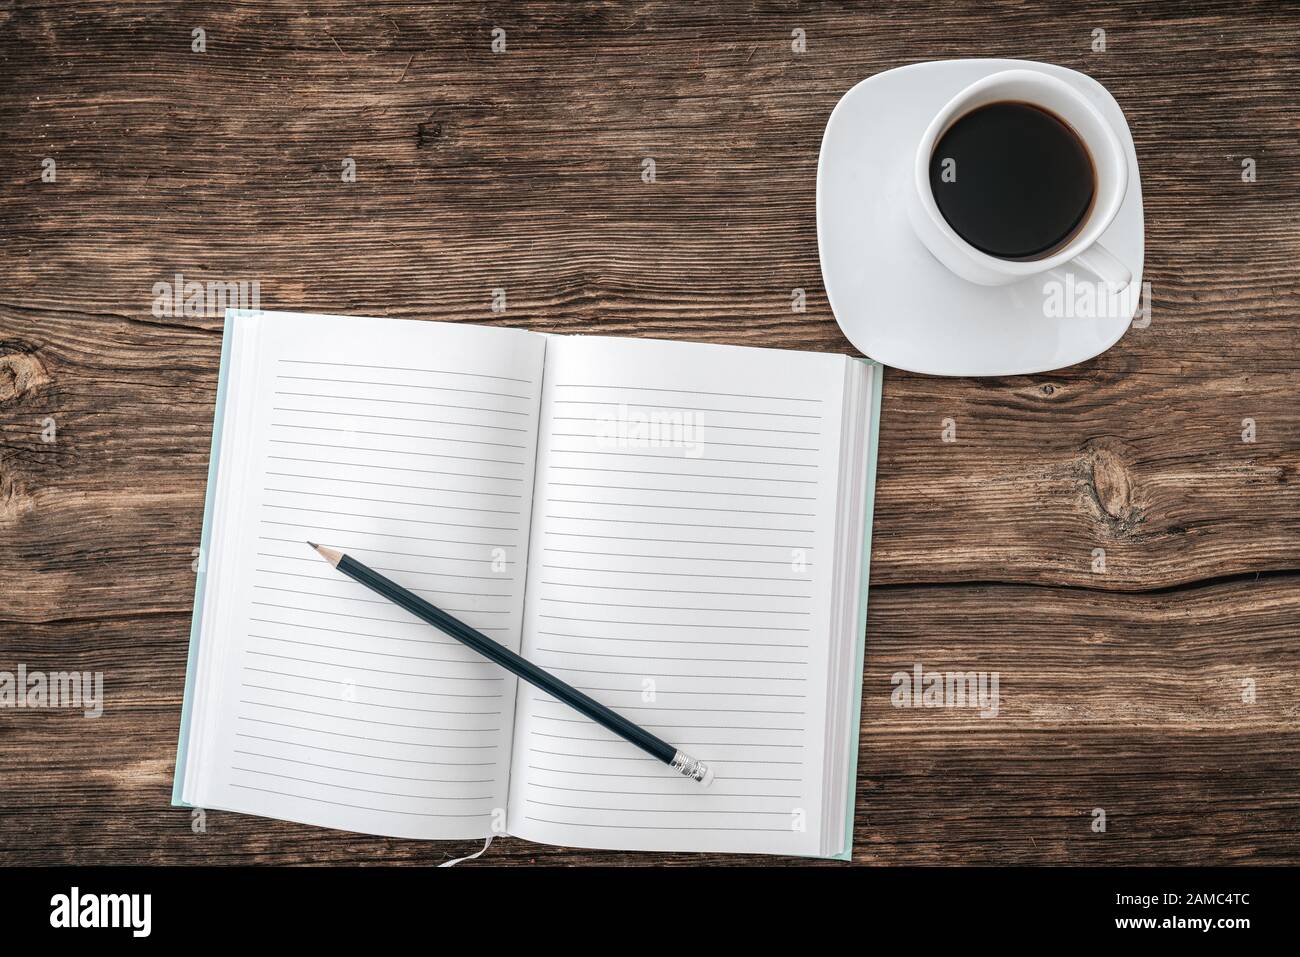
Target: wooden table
{"points": [[1125, 690]]}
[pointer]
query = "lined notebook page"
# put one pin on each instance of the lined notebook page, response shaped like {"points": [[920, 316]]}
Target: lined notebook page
{"points": [[410, 446], [683, 525]]}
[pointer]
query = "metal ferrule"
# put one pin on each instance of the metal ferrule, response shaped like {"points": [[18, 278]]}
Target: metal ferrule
{"points": [[686, 765]]}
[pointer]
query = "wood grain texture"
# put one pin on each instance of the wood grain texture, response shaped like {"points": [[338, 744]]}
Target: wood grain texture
{"points": [[521, 170]]}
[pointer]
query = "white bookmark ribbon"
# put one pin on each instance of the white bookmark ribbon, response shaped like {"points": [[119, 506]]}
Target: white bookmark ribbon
{"points": [[469, 857]]}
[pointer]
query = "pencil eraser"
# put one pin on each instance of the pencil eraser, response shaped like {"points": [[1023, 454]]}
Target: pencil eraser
{"points": [[708, 777]]}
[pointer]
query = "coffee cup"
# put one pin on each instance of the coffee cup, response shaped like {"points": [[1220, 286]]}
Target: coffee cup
{"points": [[1079, 248]]}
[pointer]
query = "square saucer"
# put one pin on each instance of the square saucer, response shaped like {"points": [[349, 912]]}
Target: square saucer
{"points": [[898, 304]]}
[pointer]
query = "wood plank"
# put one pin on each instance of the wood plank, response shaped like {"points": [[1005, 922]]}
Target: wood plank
{"points": [[1129, 703]]}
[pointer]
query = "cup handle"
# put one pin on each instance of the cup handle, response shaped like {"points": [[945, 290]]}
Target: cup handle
{"points": [[1103, 264]]}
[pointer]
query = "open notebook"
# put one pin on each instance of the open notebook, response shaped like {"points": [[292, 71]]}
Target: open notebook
{"points": [[680, 530]]}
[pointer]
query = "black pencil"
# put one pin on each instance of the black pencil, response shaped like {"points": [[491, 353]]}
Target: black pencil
{"points": [[679, 761]]}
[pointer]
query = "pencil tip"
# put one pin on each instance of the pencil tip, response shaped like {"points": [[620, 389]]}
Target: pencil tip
{"points": [[331, 555]]}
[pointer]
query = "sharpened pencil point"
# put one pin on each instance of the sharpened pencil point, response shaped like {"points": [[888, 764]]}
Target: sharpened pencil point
{"points": [[331, 555]]}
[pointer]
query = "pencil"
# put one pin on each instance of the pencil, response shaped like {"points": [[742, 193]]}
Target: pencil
{"points": [[679, 761]]}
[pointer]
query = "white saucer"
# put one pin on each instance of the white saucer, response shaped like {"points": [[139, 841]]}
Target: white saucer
{"points": [[895, 301]]}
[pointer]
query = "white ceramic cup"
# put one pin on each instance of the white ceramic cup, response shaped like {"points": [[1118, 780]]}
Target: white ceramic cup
{"points": [[1109, 163]]}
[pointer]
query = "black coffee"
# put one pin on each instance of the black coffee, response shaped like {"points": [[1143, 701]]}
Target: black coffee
{"points": [[1013, 180]]}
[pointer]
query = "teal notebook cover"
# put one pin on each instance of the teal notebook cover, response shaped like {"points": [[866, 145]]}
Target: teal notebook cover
{"points": [[201, 574], [873, 443]]}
